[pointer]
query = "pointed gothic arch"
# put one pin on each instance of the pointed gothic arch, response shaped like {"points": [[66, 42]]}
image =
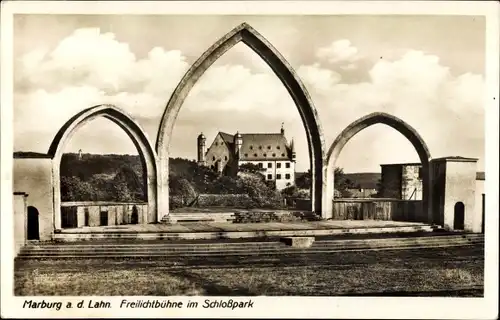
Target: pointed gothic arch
{"points": [[131, 128], [249, 36], [362, 123]]}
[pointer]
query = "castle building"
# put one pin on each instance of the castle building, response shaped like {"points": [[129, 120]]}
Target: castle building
{"points": [[269, 151]]}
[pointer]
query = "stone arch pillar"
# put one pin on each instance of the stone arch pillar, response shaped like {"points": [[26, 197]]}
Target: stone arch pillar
{"points": [[399, 125], [246, 34], [131, 128]]}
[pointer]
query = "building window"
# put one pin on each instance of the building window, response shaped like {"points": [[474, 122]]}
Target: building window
{"points": [[225, 158], [278, 165], [270, 165], [268, 147], [278, 147], [265, 155], [246, 155], [274, 154], [278, 176], [260, 165], [213, 158], [251, 147], [269, 177], [255, 155], [260, 147], [216, 144], [282, 154], [287, 164], [287, 176]]}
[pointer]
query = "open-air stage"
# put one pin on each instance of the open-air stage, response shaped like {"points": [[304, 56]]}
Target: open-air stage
{"points": [[229, 230]]}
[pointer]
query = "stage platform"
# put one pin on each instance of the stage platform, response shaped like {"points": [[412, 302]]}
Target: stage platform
{"points": [[227, 230]]}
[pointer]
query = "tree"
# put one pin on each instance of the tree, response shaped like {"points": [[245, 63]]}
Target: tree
{"points": [[257, 189], [342, 183], [127, 186], [251, 168], [304, 181]]}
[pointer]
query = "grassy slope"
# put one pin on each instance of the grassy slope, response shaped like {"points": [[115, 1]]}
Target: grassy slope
{"points": [[454, 271]]}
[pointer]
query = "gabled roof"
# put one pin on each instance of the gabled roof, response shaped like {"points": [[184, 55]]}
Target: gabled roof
{"points": [[260, 146]]}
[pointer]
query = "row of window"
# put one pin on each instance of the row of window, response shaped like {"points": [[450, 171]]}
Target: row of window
{"points": [[251, 147], [278, 176], [278, 165], [264, 154], [268, 147]]}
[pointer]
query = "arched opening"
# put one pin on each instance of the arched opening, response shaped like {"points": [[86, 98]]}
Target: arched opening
{"points": [[33, 232], [459, 216], [402, 127], [246, 34], [134, 219], [103, 218], [137, 135], [86, 222]]}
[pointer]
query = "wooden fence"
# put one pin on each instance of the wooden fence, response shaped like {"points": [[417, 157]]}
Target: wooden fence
{"points": [[378, 209]]}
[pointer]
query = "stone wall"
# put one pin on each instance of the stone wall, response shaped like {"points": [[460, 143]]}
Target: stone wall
{"points": [[20, 223], [224, 200], [88, 213], [460, 187], [411, 186], [34, 177]]}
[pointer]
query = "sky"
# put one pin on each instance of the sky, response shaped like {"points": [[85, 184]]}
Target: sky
{"points": [[426, 70]]}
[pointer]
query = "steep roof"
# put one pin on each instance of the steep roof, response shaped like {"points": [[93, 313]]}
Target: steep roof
{"points": [[260, 146]]}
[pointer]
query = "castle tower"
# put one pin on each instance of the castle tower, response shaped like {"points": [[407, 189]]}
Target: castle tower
{"points": [[282, 129], [238, 142], [80, 155], [292, 149], [201, 149]]}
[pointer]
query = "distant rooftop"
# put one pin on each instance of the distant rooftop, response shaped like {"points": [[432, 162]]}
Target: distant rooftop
{"points": [[456, 158], [402, 164], [260, 146]]}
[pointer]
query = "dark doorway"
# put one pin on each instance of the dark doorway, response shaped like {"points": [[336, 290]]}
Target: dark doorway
{"points": [[69, 217], [482, 213], [87, 217], [33, 228], [459, 217], [103, 218], [135, 216]]}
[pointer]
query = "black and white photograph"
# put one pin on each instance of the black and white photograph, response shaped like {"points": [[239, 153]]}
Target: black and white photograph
{"points": [[188, 162]]}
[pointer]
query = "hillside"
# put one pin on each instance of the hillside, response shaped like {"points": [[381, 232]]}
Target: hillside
{"points": [[365, 180]]}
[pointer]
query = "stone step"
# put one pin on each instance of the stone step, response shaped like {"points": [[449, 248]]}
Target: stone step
{"points": [[339, 244], [213, 235], [135, 254], [249, 245], [260, 248]]}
